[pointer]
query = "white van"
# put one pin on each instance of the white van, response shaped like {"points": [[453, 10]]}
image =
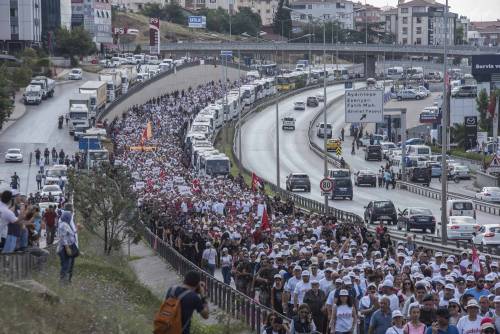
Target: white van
{"points": [[418, 150], [460, 207]]}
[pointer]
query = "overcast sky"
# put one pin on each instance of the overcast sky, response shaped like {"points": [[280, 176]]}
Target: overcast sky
{"points": [[476, 10]]}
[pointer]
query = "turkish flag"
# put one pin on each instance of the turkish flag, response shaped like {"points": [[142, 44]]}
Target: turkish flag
{"points": [[264, 223], [256, 182]]}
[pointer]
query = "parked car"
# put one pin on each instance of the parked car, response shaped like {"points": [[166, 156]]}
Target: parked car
{"points": [[461, 227], [464, 91], [487, 235], [298, 181], [299, 105], [423, 91], [14, 155], [417, 218], [489, 194], [366, 177], [373, 152], [312, 101], [380, 211]]}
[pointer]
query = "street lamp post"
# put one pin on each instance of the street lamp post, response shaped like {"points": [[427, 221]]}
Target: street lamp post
{"points": [[444, 132], [325, 160]]}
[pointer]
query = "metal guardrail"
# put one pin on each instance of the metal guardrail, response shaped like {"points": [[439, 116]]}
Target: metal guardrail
{"points": [[16, 266], [236, 304], [492, 209], [271, 46]]}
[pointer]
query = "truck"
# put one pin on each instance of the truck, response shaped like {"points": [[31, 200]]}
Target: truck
{"points": [[47, 85], [129, 76], [97, 92], [33, 95], [79, 117], [113, 79]]}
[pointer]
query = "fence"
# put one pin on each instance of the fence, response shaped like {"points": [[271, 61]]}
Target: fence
{"points": [[16, 266], [236, 304]]}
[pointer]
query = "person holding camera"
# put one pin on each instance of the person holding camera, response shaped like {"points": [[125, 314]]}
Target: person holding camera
{"points": [[303, 323]]}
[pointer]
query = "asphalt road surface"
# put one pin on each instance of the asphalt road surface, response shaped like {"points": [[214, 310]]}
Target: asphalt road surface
{"points": [[259, 156], [37, 128]]}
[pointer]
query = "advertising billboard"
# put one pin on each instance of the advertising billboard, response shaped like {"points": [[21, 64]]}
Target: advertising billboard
{"points": [[470, 132], [198, 22], [154, 35]]}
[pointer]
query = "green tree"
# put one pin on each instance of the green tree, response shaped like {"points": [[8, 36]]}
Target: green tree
{"points": [[457, 134], [6, 91], [171, 12], [459, 35], [76, 42], [482, 102], [217, 19], [152, 9], [282, 21], [21, 76], [108, 206], [246, 21]]}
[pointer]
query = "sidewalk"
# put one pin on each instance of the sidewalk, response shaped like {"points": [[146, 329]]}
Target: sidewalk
{"points": [[157, 275]]}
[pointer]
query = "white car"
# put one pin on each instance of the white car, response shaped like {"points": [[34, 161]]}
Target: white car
{"points": [[462, 172], [13, 155], [75, 74], [53, 189], [320, 97], [488, 235], [489, 194], [299, 105], [461, 227]]}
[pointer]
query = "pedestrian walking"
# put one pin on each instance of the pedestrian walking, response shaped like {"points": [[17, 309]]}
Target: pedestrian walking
{"points": [[67, 248], [387, 179], [342, 134], [39, 180], [49, 219], [183, 299], [208, 258], [380, 178]]}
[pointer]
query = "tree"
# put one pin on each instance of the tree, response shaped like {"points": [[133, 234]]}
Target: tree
{"points": [[6, 91], [108, 206], [482, 101], [459, 35], [282, 21], [246, 21], [138, 49], [21, 76], [171, 12], [76, 42], [457, 134], [217, 19]]}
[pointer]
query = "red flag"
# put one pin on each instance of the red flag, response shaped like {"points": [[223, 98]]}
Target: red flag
{"points": [[256, 182], [144, 135], [476, 266], [264, 222], [162, 175], [196, 186]]}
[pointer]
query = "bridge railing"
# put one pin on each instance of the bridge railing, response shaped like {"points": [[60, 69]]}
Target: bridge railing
{"points": [[16, 266]]}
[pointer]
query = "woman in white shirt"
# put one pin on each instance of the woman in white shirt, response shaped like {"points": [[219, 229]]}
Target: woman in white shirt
{"points": [[344, 315], [397, 323], [226, 261]]}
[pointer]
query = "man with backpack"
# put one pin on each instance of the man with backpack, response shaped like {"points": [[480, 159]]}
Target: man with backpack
{"points": [[180, 302]]}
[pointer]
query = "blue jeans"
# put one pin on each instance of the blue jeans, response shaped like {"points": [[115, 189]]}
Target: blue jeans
{"points": [[10, 244], [211, 269], [67, 263], [24, 239], [226, 275]]}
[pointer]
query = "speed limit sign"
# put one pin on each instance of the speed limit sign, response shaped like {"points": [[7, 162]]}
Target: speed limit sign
{"points": [[326, 185]]}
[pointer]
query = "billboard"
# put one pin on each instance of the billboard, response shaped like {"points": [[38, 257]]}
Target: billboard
{"points": [[470, 123], [154, 35], [197, 22], [364, 106], [485, 65]]}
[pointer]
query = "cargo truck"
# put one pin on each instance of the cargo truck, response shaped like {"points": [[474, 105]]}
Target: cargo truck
{"points": [[129, 76], [47, 85], [78, 117], [97, 92], [113, 79], [33, 95]]}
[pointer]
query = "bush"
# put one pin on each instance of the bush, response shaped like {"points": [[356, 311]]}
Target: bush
{"points": [[74, 61]]}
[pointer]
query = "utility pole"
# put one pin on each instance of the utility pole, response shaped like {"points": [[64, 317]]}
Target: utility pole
{"points": [[277, 147], [240, 107], [324, 113], [444, 133]]}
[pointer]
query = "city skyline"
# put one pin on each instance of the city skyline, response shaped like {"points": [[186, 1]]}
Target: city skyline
{"points": [[478, 10]]}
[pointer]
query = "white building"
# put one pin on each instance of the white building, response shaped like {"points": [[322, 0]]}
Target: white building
{"points": [[390, 19], [421, 22], [330, 10], [265, 8], [20, 22], [135, 5], [95, 16]]}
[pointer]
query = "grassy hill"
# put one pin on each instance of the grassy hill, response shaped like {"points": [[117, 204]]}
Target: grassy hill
{"points": [[170, 32]]}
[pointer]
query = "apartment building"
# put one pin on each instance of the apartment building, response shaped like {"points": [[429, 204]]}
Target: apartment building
{"points": [[331, 10], [135, 5], [95, 17], [484, 33], [20, 23], [390, 19]]}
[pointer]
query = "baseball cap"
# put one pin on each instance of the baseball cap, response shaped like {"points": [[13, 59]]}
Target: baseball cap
{"points": [[396, 313], [306, 273], [388, 283], [343, 292], [449, 286], [277, 276], [297, 268], [472, 303], [487, 323]]}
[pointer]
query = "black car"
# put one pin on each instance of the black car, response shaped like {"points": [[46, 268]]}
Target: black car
{"points": [[373, 152], [418, 218], [342, 187], [312, 101], [380, 211], [420, 175], [298, 181], [366, 177]]}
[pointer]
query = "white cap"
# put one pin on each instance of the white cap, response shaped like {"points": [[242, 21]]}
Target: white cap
{"points": [[396, 313], [449, 286], [306, 273], [297, 268], [497, 299], [314, 281], [343, 292], [277, 276], [443, 266], [472, 303], [388, 283], [438, 254]]}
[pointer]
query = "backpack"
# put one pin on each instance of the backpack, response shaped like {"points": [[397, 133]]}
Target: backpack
{"points": [[168, 320]]}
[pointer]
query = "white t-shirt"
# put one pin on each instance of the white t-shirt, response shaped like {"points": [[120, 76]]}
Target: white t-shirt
{"points": [[290, 285], [7, 217], [331, 297], [394, 330], [226, 261], [300, 290], [394, 301], [209, 254], [466, 326]]}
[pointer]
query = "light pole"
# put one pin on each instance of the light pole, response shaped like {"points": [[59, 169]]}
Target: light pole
{"points": [[325, 158], [444, 132]]}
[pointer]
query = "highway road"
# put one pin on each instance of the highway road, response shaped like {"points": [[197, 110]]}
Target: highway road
{"points": [[37, 128], [259, 155]]}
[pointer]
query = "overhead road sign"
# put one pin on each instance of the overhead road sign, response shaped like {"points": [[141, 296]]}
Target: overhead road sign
{"points": [[364, 106], [226, 53]]}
